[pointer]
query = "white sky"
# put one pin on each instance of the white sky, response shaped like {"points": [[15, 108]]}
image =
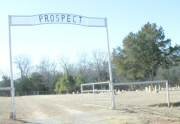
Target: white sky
{"points": [[70, 41]]}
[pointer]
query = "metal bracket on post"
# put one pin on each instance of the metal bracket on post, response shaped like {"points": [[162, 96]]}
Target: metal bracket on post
{"points": [[110, 68], [13, 110]]}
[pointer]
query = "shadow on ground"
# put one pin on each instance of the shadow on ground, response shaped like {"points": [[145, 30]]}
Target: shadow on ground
{"points": [[172, 104], [25, 122]]}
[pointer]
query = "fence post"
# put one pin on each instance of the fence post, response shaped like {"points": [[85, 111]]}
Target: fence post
{"points": [[81, 88], [167, 94], [93, 88]]}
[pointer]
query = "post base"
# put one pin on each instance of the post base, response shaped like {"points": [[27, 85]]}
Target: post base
{"points": [[12, 116]]}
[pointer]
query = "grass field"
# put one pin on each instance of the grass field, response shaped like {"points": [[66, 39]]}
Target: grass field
{"points": [[131, 108]]}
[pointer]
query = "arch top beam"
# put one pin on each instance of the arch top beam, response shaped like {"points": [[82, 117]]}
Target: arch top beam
{"points": [[56, 18]]}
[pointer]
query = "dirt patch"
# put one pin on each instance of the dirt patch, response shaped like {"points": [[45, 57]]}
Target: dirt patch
{"points": [[90, 109]]}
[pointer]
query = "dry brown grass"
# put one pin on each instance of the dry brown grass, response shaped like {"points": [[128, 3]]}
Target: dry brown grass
{"points": [[132, 108]]}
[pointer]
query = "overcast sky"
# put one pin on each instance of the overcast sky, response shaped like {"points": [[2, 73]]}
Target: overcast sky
{"points": [[70, 41]]}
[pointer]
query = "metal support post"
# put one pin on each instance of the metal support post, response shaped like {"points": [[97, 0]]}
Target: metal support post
{"points": [[13, 110], [110, 68]]}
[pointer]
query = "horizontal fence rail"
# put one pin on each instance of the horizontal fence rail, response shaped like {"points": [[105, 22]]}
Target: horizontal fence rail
{"points": [[93, 90], [5, 88], [97, 83], [143, 82], [90, 91]]}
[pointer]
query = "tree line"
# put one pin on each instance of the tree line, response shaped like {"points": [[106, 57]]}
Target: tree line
{"points": [[58, 77], [145, 55]]}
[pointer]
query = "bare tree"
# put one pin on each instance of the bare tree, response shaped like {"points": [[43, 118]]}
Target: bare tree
{"points": [[68, 68], [83, 64], [47, 66], [94, 68], [100, 64], [23, 63], [48, 70]]}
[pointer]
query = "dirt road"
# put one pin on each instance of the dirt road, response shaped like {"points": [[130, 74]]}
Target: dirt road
{"points": [[85, 109]]}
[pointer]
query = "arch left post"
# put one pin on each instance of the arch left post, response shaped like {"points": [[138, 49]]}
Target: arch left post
{"points": [[13, 109]]}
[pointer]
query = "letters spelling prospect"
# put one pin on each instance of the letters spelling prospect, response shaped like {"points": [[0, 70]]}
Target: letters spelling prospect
{"points": [[60, 18]]}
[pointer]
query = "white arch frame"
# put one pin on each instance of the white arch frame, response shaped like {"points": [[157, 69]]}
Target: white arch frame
{"points": [[34, 20]]}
